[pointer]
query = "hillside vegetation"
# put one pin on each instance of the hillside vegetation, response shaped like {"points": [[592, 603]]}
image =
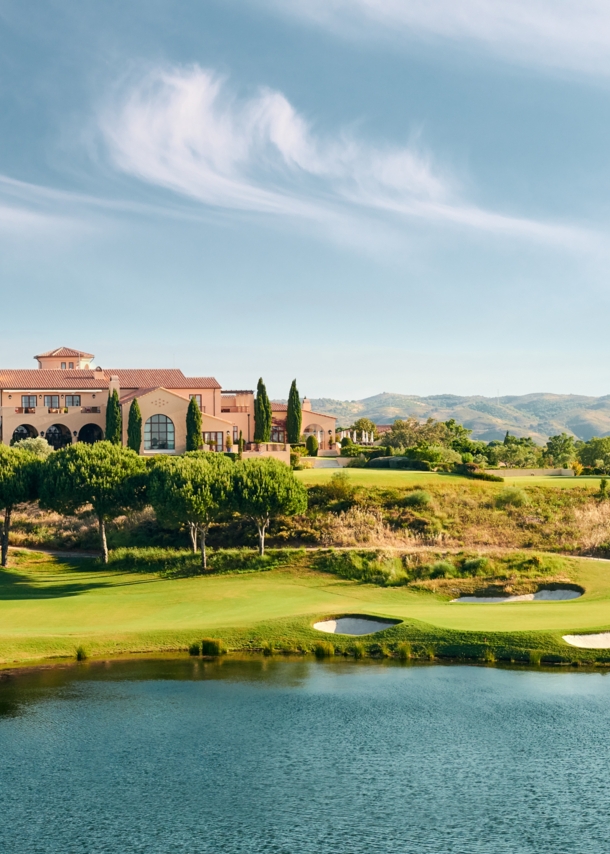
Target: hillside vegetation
{"points": [[536, 415]]}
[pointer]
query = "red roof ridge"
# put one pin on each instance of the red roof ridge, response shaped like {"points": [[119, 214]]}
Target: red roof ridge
{"points": [[64, 351]]}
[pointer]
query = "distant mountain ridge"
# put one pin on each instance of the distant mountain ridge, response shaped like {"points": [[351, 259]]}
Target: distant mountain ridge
{"points": [[536, 415]]}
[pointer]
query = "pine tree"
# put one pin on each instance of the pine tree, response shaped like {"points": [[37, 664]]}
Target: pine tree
{"points": [[193, 426], [134, 427], [294, 416], [114, 420], [262, 414]]}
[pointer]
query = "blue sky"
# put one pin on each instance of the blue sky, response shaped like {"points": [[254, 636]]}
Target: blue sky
{"points": [[369, 195]]}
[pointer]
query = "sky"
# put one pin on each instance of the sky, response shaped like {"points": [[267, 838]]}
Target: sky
{"points": [[408, 196]]}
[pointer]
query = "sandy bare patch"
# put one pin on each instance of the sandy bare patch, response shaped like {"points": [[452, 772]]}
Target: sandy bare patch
{"points": [[354, 625], [598, 641], [560, 595]]}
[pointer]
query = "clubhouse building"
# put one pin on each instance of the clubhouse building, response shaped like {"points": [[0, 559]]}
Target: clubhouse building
{"points": [[64, 400]]}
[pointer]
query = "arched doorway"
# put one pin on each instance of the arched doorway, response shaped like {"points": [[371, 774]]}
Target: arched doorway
{"points": [[90, 434], [58, 436], [159, 434], [315, 430], [24, 431]]}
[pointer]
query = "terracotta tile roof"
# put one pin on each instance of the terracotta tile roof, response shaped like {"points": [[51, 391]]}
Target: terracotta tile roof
{"points": [[279, 407], [65, 351], [129, 378], [157, 377], [35, 379], [136, 393]]}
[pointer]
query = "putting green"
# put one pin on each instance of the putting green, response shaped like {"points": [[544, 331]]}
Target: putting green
{"points": [[48, 606]]}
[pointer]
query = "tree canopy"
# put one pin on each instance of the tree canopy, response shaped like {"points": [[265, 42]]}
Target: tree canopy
{"points": [[107, 477], [191, 490], [134, 427], [264, 489], [194, 437], [114, 420], [294, 415], [262, 414], [19, 478]]}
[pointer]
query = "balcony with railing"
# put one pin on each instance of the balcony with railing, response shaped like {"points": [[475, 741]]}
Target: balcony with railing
{"points": [[25, 410], [90, 409]]}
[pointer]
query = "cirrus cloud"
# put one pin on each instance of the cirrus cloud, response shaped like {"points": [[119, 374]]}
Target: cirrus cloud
{"points": [[185, 130]]}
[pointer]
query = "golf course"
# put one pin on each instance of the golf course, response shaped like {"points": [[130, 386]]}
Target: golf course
{"points": [[52, 605]]}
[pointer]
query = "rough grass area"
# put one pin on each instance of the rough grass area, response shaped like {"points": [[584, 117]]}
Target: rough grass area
{"points": [[54, 608]]}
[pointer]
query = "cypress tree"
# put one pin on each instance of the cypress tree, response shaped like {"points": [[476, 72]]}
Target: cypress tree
{"points": [[194, 438], [262, 414], [114, 420], [134, 427], [294, 416]]}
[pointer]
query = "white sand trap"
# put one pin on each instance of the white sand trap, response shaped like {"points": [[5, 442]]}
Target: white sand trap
{"points": [[354, 625], [560, 595], [599, 641]]}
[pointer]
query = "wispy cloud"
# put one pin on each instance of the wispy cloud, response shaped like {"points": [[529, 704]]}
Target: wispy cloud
{"points": [[183, 129], [561, 34]]}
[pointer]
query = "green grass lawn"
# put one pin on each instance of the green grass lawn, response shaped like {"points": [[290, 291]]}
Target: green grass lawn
{"points": [[395, 478], [48, 606]]}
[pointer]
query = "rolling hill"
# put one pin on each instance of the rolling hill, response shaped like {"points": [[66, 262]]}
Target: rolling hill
{"points": [[536, 415]]}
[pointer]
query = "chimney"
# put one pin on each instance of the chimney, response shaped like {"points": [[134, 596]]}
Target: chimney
{"points": [[114, 384], [307, 404]]}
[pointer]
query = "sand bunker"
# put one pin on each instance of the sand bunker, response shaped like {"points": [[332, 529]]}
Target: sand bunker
{"points": [[599, 641], [559, 595], [354, 625]]}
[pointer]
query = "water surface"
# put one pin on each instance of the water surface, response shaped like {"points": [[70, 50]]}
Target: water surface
{"points": [[293, 757]]}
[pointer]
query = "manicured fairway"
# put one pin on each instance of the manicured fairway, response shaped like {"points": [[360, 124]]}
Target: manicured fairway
{"points": [[379, 477], [385, 478], [49, 606]]}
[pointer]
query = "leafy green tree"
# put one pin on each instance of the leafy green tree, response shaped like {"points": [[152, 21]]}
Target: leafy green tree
{"points": [[264, 489], [35, 445], [19, 479], [134, 427], [364, 425], [595, 453], [114, 420], [109, 478], [194, 438], [312, 446], [560, 450], [410, 432], [515, 453], [262, 414], [294, 415], [191, 490]]}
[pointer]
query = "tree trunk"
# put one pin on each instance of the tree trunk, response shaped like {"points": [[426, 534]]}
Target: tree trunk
{"points": [[204, 555], [5, 531], [193, 531], [103, 543], [262, 527]]}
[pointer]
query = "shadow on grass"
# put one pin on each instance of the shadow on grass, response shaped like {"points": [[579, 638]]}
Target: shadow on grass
{"points": [[16, 585]]}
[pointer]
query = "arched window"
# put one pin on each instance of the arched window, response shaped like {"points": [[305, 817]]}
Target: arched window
{"points": [[159, 434]]}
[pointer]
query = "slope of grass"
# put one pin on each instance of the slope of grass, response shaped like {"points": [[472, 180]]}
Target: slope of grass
{"points": [[49, 607]]}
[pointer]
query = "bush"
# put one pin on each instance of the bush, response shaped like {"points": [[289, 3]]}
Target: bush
{"points": [[512, 496], [312, 446], [417, 498], [323, 649], [443, 569], [346, 441], [476, 566], [194, 649], [472, 470], [369, 567], [358, 650], [359, 462], [404, 651], [268, 648], [81, 653], [212, 646]]}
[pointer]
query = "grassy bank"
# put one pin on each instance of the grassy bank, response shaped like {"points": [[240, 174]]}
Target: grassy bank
{"points": [[51, 606]]}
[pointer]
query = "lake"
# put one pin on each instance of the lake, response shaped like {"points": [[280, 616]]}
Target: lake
{"points": [[297, 756]]}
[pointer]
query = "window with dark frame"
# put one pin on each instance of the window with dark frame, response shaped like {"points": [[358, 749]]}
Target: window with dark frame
{"points": [[63, 366], [28, 401], [159, 434], [52, 401], [73, 400]]}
